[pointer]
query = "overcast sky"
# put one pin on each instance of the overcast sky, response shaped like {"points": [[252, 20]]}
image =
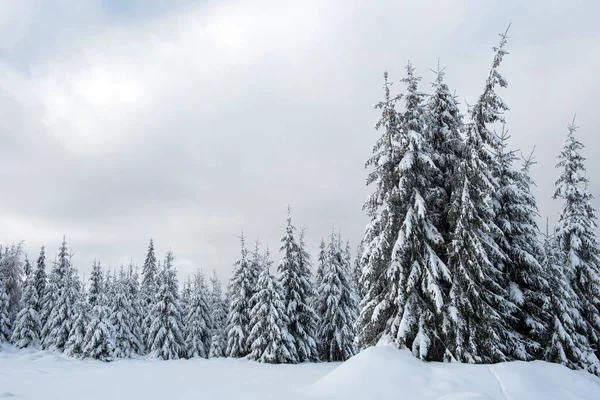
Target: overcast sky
{"points": [[189, 121]]}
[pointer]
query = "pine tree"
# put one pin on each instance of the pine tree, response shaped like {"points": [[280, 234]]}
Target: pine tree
{"points": [[27, 325], [99, 341], [186, 296], [444, 124], [198, 322], [61, 316], [148, 289], [40, 282], [166, 331], [419, 277], [76, 341], [136, 309], [337, 304], [576, 236], [4, 316], [383, 207], [564, 344], [11, 271], [357, 269], [268, 338], [526, 284], [255, 265], [218, 318], [96, 284], [477, 300], [238, 315], [121, 313], [295, 280]]}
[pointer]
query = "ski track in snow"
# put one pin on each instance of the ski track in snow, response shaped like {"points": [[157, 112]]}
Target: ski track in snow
{"points": [[500, 384]]}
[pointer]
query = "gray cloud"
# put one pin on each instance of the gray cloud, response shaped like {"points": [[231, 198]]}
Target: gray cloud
{"points": [[191, 123]]}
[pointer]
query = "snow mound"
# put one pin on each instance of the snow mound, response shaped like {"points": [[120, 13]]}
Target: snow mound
{"points": [[384, 372]]}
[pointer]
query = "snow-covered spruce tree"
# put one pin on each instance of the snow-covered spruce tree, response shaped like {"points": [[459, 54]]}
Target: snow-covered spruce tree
{"points": [[255, 264], [564, 343], [444, 124], [76, 341], [268, 338], [576, 236], [526, 281], [99, 341], [218, 318], [137, 311], [121, 313], [4, 316], [11, 273], [166, 331], [40, 280], [296, 283], [186, 295], [27, 328], [198, 321], [357, 268], [321, 262], [238, 315], [303, 330], [418, 276], [478, 301], [337, 306], [60, 319], [96, 284], [148, 290], [383, 207]]}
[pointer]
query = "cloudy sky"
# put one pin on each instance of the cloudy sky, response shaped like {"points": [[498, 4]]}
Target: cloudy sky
{"points": [[188, 121]]}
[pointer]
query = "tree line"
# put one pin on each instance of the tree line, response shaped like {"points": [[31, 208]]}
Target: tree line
{"points": [[121, 314]]}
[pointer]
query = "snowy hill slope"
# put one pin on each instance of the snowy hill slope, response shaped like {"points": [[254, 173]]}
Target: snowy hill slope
{"points": [[384, 372], [378, 373]]}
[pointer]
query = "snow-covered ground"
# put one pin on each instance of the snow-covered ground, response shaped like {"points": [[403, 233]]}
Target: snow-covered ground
{"points": [[377, 373]]}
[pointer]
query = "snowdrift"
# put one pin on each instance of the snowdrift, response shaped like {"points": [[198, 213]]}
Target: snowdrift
{"points": [[385, 372]]}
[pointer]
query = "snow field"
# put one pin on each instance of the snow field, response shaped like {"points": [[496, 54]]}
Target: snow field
{"points": [[379, 373]]}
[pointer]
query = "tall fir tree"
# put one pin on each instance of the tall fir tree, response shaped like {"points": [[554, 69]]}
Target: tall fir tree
{"points": [[564, 343], [255, 264], [443, 132], [576, 236], [296, 282], [11, 273], [27, 328], [99, 340], [383, 207], [4, 315], [268, 338], [238, 315], [526, 281], [186, 295], [76, 341], [61, 316], [121, 313], [218, 317], [96, 284], [418, 276], [337, 305], [357, 268], [198, 321], [166, 331], [148, 289], [137, 311], [40, 280], [477, 301]]}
